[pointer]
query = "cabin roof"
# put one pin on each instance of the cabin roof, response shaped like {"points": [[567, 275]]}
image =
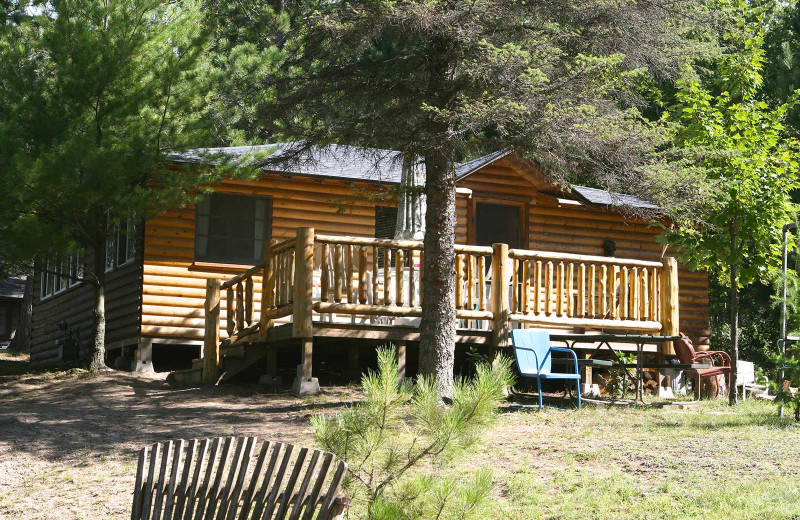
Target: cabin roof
{"points": [[609, 198], [13, 287], [375, 165]]}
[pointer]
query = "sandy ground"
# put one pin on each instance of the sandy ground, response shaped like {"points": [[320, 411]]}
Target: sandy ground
{"points": [[68, 440]]}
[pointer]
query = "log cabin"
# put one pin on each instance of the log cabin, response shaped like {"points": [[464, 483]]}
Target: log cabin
{"points": [[187, 284]]}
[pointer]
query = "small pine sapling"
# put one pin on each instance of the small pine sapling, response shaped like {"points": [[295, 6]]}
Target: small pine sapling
{"points": [[398, 426]]}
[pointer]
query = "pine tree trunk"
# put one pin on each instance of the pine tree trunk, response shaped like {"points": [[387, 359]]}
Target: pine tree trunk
{"points": [[22, 336], [734, 289], [438, 325], [98, 354]]}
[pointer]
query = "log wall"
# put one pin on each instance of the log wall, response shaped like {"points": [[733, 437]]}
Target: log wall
{"points": [[174, 285], [567, 228], [165, 289], [123, 311]]}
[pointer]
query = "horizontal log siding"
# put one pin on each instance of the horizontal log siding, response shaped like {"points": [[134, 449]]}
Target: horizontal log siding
{"points": [[174, 292], [583, 229], [123, 311]]}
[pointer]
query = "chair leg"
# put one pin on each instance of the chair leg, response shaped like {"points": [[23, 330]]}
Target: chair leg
{"points": [[578, 385], [539, 383]]}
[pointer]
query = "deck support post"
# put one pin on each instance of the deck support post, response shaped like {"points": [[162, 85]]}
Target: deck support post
{"points": [[500, 308], [401, 360], [143, 357], [353, 366], [211, 358], [302, 326], [669, 312]]}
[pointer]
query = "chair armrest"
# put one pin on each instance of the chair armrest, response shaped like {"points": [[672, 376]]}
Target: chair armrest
{"points": [[724, 358], [535, 356], [569, 351]]}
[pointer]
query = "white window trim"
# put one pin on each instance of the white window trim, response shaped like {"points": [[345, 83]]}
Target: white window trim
{"points": [[48, 273]]}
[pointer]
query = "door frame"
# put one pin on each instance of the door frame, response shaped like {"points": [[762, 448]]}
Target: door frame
{"points": [[523, 203]]}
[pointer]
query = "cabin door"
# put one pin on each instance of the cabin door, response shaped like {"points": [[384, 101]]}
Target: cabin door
{"points": [[498, 223]]}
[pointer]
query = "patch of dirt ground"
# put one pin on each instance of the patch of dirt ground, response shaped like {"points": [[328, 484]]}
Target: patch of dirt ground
{"points": [[68, 440]]}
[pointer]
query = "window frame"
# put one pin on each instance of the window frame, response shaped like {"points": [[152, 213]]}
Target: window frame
{"points": [[267, 218], [53, 280]]}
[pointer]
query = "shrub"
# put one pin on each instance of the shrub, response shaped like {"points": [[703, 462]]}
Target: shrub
{"points": [[397, 426]]}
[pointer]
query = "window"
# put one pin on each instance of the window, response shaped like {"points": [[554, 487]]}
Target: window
{"points": [[232, 229], [385, 226], [121, 242], [60, 275]]}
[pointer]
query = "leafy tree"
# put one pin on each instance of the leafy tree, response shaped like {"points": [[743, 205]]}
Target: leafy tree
{"points": [[397, 427], [92, 94], [739, 143], [558, 81]]}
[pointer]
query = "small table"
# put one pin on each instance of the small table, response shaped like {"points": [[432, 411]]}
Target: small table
{"points": [[637, 339]]}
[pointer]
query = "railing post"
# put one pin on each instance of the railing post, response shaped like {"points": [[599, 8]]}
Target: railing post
{"points": [[267, 289], [211, 359], [669, 303], [500, 309], [302, 326]]}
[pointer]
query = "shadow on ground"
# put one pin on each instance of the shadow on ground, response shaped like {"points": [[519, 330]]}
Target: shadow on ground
{"points": [[60, 415]]}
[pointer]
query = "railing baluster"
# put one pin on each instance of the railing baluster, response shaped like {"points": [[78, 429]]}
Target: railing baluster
{"points": [[592, 290], [560, 290], [537, 288], [387, 276], [481, 283], [470, 282], [338, 273], [290, 283], [634, 301], [349, 269], [548, 288], [375, 275], [411, 282], [239, 306], [248, 301], [514, 285], [581, 290], [526, 286], [325, 283], [230, 309], [624, 293], [644, 301], [399, 266], [570, 289], [605, 298], [362, 275], [458, 282]]}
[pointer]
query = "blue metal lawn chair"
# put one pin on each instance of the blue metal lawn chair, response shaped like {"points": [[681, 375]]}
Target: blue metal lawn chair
{"points": [[532, 351]]}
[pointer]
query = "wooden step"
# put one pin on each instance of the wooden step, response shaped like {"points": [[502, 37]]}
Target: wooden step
{"points": [[190, 376], [239, 358]]}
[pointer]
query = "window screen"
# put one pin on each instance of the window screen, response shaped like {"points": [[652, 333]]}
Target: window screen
{"points": [[385, 224], [232, 228]]}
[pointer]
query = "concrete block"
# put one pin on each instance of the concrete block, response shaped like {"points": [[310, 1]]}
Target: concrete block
{"points": [[305, 386]]}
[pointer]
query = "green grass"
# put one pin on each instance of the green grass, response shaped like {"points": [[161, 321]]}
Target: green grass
{"points": [[715, 463]]}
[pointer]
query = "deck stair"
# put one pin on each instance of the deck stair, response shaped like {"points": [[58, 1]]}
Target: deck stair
{"points": [[235, 359]]}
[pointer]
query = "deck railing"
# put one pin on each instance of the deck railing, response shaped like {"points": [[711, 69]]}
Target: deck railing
{"points": [[310, 276]]}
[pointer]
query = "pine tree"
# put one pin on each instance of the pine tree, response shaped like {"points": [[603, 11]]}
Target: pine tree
{"points": [[92, 95], [558, 81]]}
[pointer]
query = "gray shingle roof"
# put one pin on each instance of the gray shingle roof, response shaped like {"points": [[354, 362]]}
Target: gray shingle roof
{"points": [[367, 165], [610, 198], [13, 287], [468, 167], [333, 161]]}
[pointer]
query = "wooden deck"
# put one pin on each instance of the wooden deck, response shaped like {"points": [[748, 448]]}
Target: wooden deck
{"points": [[317, 286]]}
